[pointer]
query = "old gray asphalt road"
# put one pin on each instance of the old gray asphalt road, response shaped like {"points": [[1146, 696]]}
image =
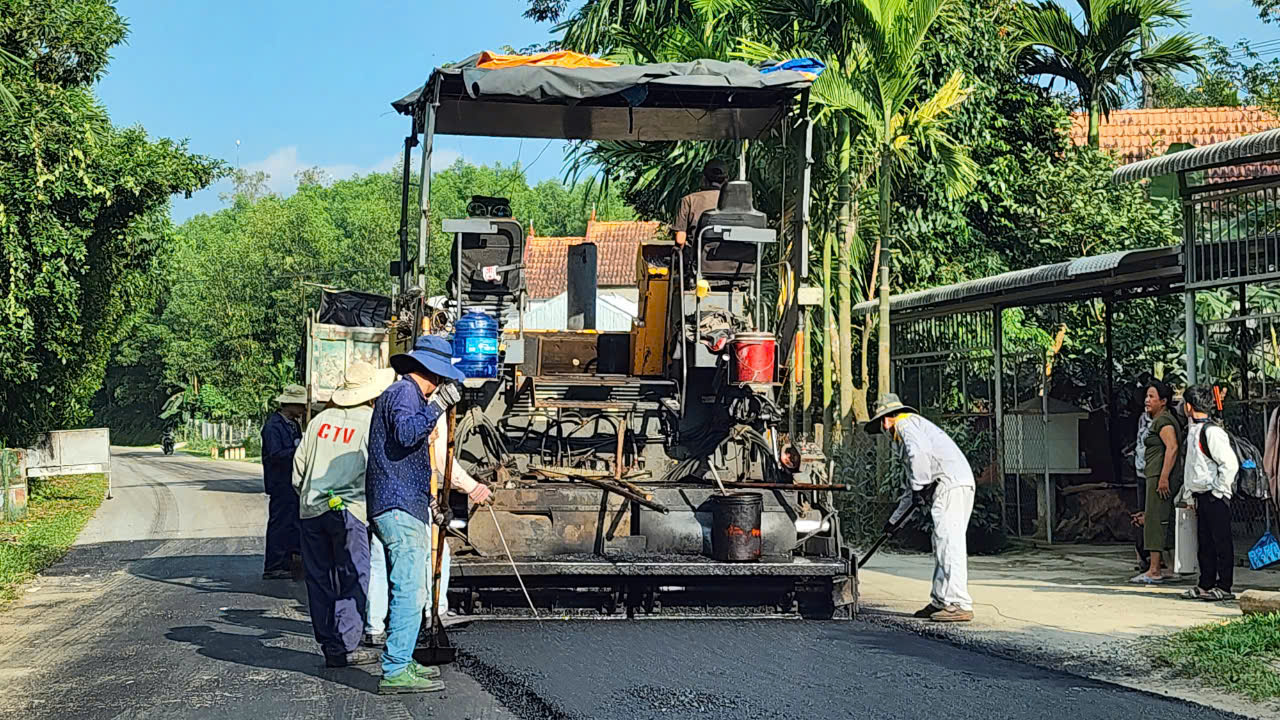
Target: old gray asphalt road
{"points": [[159, 612]]}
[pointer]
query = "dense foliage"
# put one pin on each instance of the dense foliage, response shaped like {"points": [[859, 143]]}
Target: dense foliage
{"points": [[83, 212], [1232, 76], [230, 339]]}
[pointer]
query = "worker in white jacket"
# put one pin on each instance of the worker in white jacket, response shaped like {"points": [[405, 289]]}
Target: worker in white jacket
{"points": [[477, 492], [936, 467], [1208, 483]]}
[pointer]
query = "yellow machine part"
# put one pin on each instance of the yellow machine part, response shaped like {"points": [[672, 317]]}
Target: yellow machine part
{"points": [[648, 340]]}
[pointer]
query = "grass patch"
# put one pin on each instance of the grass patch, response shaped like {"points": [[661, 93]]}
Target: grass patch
{"points": [[1235, 655], [57, 509]]}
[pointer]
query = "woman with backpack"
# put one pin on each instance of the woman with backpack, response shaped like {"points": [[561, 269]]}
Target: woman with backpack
{"points": [[1211, 468], [1160, 447]]}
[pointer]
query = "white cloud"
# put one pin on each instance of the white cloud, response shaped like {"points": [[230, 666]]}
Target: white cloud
{"points": [[284, 164]]}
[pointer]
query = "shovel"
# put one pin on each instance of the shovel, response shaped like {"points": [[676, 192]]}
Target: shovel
{"points": [[892, 531], [437, 650]]}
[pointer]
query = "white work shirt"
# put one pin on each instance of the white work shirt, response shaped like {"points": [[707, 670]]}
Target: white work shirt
{"points": [[462, 480], [1215, 474], [931, 456], [332, 458]]}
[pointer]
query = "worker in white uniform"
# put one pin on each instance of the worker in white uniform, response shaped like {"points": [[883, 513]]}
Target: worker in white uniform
{"points": [[935, 467], [462, 482]]}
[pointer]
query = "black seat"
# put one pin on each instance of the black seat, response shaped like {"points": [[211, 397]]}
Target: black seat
{"points": [[726, 259], [501, 253]]}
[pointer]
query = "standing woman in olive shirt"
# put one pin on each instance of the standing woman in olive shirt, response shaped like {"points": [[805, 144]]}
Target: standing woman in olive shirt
{"points": [[1162, 449]]}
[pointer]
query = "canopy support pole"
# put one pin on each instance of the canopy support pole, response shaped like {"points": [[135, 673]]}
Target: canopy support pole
{"points": [[800, 261], [405, 177], [424, 198]]}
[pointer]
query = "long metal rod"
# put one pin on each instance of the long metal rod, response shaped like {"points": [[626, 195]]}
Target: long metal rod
{"points": [[684, 333], [787, 486], [619, 490], [512, 560], [997, 362]]}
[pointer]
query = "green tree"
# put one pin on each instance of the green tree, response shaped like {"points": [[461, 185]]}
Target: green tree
{"points": [[872, 95], [1268, 10], [83, 212], [1104, 54], [230, 340], [1231, 77]]}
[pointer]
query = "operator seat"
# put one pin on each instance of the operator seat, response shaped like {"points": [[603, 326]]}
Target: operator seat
{"points": [[492, 272], [722, 259], [492, 263]]}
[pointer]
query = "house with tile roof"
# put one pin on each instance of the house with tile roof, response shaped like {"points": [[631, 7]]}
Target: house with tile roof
{"points": [[617, 250], [1133, 135]]}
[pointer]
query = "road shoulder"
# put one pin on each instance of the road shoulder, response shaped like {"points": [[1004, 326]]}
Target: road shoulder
{"points": [[1062, 608]]}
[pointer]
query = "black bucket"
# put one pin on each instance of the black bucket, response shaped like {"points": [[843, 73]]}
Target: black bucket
{"points": [[735, 527]]}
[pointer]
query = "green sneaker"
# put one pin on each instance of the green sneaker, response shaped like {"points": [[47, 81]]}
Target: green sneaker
{"points": [[430, 672], [407, 681]]}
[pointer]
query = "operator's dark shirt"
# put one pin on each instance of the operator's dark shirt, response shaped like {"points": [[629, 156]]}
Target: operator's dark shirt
{"points": [[399, 472], [691, 208], [280, 438]]}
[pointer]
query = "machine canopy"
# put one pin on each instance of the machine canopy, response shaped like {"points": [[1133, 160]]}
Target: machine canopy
{"points": [[699, 100]]}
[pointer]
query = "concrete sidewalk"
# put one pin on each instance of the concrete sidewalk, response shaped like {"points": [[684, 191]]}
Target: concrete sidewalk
{"points": [[1069, 607]]}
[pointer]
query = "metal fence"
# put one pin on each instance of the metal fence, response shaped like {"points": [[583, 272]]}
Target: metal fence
{"points": [[228, 434]]}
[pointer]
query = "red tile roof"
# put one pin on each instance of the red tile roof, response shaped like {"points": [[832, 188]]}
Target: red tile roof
{"points": [[1133, 135], [617, 247]]}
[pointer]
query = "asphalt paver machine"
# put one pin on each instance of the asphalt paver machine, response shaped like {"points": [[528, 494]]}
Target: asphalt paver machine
{"points": [[644, 472]]}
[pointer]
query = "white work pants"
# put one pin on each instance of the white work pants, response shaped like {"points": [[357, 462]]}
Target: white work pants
{"points": [[379, 591], [951, 510]]}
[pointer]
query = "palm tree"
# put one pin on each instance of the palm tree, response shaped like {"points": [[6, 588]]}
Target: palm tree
{"points": [[1104, 54], [871, 91], [8, 63]]}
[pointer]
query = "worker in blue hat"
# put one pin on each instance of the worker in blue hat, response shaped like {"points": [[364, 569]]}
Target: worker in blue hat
{"points": [[401, 507]]}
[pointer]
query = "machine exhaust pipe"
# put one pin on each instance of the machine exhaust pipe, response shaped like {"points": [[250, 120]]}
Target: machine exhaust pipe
{"points": [[580, 300]]}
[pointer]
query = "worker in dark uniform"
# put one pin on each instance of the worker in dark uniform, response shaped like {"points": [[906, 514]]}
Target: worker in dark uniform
{"points": [[714, 176], [280, 438]]}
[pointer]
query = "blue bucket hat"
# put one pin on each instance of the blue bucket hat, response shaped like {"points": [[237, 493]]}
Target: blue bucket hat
{"points": [[431, 353]]}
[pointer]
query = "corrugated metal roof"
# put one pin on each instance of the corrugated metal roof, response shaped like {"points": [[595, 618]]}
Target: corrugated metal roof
{"points": [[988, 291], [1248, 149], [614, 313]]}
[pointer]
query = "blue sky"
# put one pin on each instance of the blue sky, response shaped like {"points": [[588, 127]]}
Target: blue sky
{"points": [[304, 84]]}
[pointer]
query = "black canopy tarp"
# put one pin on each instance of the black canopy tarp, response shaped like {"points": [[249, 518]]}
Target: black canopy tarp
{"points": [[699, 100]]}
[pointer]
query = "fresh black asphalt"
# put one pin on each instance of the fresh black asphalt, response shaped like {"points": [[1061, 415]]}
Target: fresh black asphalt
{"points": [[173, 621]]}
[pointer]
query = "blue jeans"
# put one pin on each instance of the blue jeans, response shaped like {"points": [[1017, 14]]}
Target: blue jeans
{"points": [[405, 538]]}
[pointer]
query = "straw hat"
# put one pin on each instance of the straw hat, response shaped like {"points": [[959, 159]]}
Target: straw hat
{"points": [[889, 404], [292, 395], [362, 383]]}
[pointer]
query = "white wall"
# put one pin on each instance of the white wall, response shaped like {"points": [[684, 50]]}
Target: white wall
{"points": [[615, 309]]}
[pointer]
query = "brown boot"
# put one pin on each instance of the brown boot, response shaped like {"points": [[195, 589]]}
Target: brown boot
{"points": [[926, 612], [952, 614]]}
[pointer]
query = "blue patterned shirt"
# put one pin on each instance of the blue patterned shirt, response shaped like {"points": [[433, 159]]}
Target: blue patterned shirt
{"points": [[399, 472], [280, 438]]}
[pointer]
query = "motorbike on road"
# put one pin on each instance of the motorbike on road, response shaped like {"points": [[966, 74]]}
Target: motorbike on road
{"points": [[167, 443]]}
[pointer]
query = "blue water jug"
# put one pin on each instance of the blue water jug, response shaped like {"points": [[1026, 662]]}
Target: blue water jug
{"points": [[475, 345]]}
